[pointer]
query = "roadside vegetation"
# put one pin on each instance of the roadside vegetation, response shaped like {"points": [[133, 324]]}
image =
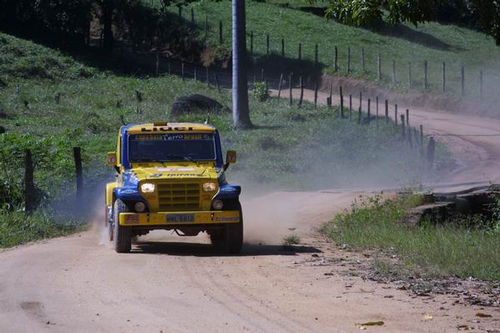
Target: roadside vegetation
{"points": [[458, 248], [52, 102], [291, 240]]}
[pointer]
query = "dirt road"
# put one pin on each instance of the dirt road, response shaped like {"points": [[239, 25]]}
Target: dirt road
{"points": [[78, 284]]}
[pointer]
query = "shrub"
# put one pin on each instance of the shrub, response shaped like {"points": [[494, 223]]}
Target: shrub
{"points": [[260, 91]]}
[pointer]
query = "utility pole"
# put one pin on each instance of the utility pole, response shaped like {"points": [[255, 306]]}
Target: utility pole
{"points": [[241, 112]]}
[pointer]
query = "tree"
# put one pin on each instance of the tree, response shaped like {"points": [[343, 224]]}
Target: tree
{"points": [[241, 112], [370, 13], [107, 8]]}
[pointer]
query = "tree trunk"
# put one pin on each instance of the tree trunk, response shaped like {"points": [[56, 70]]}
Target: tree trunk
{"points": [[107, 20], [241, 112]]}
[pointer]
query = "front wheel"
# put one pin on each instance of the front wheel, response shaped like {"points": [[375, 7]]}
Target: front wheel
{"points": [[230, 238], [122, 238]]}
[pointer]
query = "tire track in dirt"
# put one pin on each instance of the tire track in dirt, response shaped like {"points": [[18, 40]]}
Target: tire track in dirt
{"points": [[221, 300], [253, 303]]}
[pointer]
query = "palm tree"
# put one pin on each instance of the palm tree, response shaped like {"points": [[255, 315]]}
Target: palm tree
{"points": [[241, 112]]}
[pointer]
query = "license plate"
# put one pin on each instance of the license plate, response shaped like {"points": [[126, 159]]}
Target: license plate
{"points": [[177, 218]]}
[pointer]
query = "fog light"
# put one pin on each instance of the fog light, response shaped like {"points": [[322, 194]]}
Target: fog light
{"points": [[209, 187], [139, 207], [217, 204]]}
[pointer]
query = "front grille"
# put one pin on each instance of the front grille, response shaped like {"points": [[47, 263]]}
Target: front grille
{"points": [[178, 196]]}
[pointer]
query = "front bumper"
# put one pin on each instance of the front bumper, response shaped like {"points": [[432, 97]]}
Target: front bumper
{"points": [[180, 218]]}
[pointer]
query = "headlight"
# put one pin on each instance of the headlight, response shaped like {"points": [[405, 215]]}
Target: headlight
{"points": [[217, 204], [139, 207], [147, 188], [209, 187]]}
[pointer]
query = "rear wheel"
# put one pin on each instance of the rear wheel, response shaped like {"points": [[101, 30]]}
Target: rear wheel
{"points": [[122, 238], [230, 237]]}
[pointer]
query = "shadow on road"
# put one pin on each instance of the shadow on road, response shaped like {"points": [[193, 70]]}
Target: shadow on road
{"points": [[207, 250]]}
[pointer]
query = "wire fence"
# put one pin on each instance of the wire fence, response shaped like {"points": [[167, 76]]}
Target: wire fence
{"points": [[449, 77]]}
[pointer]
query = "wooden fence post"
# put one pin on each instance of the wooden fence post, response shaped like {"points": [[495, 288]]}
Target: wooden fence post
{"points": [[29, 187], [386, 111], [300, 51], [443, 79], [425, 75], [396, 114], [301, 91], [290, 87], [267, 44], [359, 115], [462, 80], [279, 85], [341, 102], [422, 135], [78, 171], [376, 110], [336, 59], [379, 67], [408, 117], [282, 47], [361, 100], [330, 99]]}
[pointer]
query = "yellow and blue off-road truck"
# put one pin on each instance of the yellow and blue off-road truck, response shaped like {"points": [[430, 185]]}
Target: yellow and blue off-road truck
{"points": [[171, 176]]}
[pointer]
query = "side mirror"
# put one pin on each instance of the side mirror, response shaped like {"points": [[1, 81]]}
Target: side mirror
{"points": [[230, 158], [111, 159]]}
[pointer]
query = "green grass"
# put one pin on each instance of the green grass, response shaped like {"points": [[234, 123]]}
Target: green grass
{"points": [[427, 250], [291, 148], [291, 240], [18, 228], [432, 41]]}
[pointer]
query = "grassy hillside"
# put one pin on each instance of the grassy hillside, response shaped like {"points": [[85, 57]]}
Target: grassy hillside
{"points": [[299, 22], [70, 104]]}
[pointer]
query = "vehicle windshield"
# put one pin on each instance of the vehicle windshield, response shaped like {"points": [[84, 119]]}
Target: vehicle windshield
{"points": [[171, 147]]}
